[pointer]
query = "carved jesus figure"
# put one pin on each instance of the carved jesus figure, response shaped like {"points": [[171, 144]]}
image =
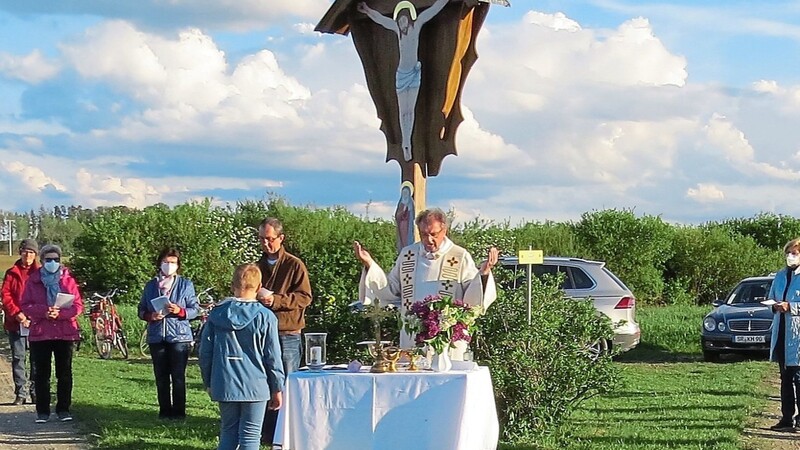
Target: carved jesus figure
{"points": [[407, 26]]}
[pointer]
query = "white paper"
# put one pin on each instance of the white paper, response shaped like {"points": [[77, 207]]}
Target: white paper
{"points": [[160, 304], [768, 302], [23, 330], [64, 300]]}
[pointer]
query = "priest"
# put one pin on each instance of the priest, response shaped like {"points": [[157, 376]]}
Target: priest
{"points": [[432, 266]]}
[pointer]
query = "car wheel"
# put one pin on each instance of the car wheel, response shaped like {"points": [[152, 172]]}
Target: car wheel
{"points": [[709, 356], [597, 349]]}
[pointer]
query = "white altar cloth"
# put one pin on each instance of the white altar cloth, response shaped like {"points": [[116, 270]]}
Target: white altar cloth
{"points": [[391, 411]]}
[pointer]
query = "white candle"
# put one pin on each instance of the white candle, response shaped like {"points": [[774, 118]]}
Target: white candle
{"points": [[316, 355]]}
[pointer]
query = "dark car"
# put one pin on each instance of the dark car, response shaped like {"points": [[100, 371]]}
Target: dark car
{"points": [[740, 323]]}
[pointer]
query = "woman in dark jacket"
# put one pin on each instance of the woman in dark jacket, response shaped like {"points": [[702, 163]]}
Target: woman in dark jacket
{"points": [[168, 304]]}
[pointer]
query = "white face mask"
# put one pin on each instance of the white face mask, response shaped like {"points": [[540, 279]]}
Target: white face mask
{"points": [[51, 266], [169, 269], [792, 260]]}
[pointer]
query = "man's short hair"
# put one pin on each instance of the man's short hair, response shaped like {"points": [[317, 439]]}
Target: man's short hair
{"points": [[432, 214], [246, 277], [274, 223]]}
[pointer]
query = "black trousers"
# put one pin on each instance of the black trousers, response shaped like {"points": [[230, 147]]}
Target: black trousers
{"points": [[169, 367], [41, 354]]}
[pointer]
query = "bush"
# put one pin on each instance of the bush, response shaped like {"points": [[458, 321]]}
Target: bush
{"points": [[709, 261], [635, 249], [542, 371]]}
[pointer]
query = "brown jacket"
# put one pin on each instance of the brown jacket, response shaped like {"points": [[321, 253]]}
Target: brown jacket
{"points": [[288, 280]]}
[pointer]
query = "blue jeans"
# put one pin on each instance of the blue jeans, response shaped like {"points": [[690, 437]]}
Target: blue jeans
{"points": [[19, 352], [240, 424], [169, 367], [291, 349]]}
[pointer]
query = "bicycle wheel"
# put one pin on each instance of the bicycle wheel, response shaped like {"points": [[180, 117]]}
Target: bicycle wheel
{"points": [[144, 348], [122, 343], [196, 334], [101, 340]]}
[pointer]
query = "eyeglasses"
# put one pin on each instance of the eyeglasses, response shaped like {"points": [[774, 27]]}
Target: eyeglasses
{"points": [[52, 259], [270, 239]]}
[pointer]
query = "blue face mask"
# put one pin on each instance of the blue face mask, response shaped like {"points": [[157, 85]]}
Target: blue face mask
{"points": [[52, 266]]}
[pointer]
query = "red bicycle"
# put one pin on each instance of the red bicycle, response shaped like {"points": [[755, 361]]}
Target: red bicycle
{"points": [[107, 325]]}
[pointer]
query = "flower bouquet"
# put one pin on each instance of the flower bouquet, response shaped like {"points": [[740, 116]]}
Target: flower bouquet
{"points": [[440, 321]]}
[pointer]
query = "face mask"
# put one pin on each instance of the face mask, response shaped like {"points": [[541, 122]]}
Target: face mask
{"points": [[169, 269], [51, 266], [792, 260]]}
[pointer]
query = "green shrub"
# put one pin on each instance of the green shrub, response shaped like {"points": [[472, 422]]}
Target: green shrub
{"points": [[542, 371], [709, 261], [635, 249], [768, 230]]}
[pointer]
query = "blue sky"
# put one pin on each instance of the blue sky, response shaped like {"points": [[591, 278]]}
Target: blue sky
{"points": [[685, 109]]}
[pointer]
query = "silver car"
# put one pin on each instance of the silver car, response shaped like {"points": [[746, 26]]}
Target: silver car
{"points": [[589, 279]]}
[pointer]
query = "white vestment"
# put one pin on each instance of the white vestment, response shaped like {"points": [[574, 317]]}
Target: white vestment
{"points": [[417, 274]]}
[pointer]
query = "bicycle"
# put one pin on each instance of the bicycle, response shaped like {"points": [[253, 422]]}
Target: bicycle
{"points": [[197, 324], [107, 325]]}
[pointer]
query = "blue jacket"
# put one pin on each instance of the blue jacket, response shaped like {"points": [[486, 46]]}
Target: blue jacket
{"points": [[174, 327], [791, 318], [240, 356]]}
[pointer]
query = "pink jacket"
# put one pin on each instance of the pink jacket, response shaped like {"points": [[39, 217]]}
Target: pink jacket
{"points": [[34, 305]]}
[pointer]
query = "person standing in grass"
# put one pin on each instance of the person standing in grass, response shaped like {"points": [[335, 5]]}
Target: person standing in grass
{"points": [[16, 322], [240, 362], [785, 342], [287, 293], [169, 334], [53, 330]]}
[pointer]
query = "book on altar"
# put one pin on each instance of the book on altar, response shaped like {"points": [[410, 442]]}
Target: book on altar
{"points": [[160, 304], [63, 300]]}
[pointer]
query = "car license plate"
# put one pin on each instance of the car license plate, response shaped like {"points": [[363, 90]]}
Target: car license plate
{"points": [[749, 339]]}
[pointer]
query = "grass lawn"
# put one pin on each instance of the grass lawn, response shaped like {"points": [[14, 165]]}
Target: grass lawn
{"points": [[667, 398]]}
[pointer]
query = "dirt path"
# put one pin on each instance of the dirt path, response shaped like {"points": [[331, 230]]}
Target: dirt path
{"points": [[18, 431], [758, 436]]}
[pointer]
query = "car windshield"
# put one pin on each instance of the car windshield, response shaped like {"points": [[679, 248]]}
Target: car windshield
{"points": [[750, 292]]}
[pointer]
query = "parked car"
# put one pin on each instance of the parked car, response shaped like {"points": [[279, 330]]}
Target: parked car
{"points": [[739, 323], [589, 279]]}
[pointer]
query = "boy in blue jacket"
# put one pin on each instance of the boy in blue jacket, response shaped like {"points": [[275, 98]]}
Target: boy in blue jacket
{"points": [[240, 361]]}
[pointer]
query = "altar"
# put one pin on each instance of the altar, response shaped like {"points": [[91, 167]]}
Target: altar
{"points": [[335, 409]]}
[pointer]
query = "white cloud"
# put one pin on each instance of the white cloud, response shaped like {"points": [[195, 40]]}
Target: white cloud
{"points": [[705, 193], [33, 178], [32, 68]]}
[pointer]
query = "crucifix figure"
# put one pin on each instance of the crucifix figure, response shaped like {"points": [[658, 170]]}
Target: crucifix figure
{"points": [[407, 25]]}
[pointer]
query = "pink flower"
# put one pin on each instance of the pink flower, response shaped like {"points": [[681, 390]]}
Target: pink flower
{"points": [[440, 321]]}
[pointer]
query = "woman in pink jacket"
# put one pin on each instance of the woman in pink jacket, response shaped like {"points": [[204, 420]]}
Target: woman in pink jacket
{"points": [[53, 330]]}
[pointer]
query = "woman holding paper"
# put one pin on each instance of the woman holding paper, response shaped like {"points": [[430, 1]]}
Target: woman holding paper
{"points": [[168, 304], [52, 303], [785, 341]]}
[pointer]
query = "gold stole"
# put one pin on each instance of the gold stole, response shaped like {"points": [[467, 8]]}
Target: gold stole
{"points": [[448, 274]]}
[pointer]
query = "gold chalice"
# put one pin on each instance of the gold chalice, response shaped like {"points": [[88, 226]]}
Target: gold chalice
{"points": [[391, 355]]}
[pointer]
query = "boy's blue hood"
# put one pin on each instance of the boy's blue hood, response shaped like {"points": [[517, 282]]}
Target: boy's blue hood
{"points": [[234, 314]]}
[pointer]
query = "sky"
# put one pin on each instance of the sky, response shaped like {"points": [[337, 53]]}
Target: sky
{"points": [[689, 110]]}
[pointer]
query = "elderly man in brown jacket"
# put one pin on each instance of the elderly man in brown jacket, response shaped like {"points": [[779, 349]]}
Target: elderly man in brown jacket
{"points": [[287, 292]]}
